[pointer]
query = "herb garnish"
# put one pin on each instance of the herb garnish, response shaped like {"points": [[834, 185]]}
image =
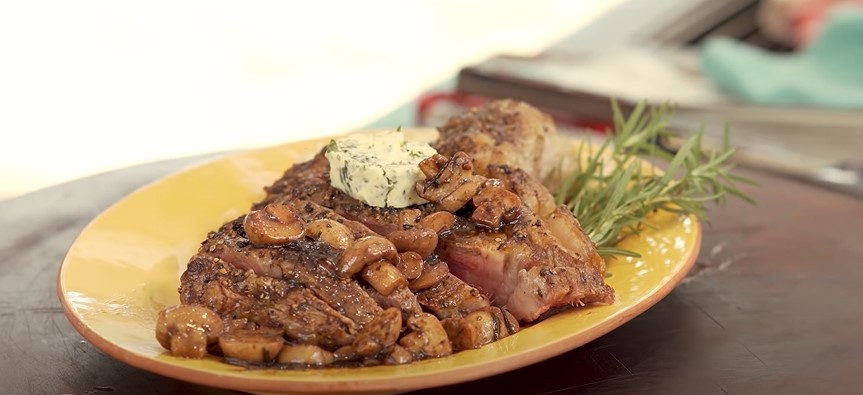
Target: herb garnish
{"points": [[614, 187]]}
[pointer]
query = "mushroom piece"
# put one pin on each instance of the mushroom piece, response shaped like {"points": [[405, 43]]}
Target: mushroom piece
{"points": [[398, 356], [251, 346], [409, 217], [274, 225], [364, 251], [427, 337], [186, 330], [433, 273], [410, 264], [345, 353], [439, 221], [479, 328], [462, 194], [331, 232], [305, 354], [384, 277], [379, 334], [494, 204], [449, 182], [443, 175], [420, 240]]}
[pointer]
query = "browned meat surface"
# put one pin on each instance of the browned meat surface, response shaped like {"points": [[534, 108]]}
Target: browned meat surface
{"points": [[311, 181], [524, 261], [343, 282], [523, 267], [503, 142], [402, 299], [452, 297], [307, 181], [264, 302], [305, 263], [294, 286], [503, 132], [559, 221], [532, 194]]}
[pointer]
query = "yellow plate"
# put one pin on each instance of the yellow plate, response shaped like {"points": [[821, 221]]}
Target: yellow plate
{"points": [[125, 266]]}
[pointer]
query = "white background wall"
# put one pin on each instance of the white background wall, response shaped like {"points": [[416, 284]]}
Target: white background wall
{"points": [[89, 86]]}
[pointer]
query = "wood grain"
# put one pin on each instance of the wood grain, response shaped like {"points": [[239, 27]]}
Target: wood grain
{"points": [[773, 306]]}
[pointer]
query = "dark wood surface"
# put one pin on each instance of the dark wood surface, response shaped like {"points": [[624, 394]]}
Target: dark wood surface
{"points": [[773, 306]]}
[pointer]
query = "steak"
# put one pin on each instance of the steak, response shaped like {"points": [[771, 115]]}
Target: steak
{"points": [[264, 302], [542, 262], [490, 249], [503, 132], [295, 287], [311, 181], [235, 278]]}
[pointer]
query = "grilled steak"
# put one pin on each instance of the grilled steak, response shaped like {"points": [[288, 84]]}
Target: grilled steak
{"points": [[452, 297], [296, 288], [503, 132], [311, 181], [528, 264], [265, 302], [523, 267], [544, 260], [362, 284], [527, 269], [252, 281]]}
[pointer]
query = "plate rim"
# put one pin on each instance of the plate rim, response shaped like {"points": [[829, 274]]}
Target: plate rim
{"points": [[381, 384]]}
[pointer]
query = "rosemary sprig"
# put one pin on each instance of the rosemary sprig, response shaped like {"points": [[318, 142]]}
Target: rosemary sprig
{"points": [[615, 186]]}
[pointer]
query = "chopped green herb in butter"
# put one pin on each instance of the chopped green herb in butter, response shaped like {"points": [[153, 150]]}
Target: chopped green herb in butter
{"points": [[379, 169]]}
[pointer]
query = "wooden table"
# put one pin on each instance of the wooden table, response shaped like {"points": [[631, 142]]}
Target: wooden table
{"points": [[773, 306]]}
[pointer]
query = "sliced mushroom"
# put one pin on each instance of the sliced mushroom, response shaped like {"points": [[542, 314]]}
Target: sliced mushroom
{"points": [[461, 194], [494, 204], [384, 277], [409, 217], [331, 232], [186, 330], [275, 225], [443, 175], [433, 273], [427, 337], [305, 354], [364, 251], [440, 221], [509, 321], [345, 353], [379, 334], [251, 346], [475, 330], [410, 264], [418, 239], [398, 356]]}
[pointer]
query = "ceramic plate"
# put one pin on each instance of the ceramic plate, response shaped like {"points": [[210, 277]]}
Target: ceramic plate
{"points": [[125, 266]]}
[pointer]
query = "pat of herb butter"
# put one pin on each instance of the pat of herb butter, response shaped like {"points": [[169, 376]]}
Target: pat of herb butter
{"points": [[379, 169]]}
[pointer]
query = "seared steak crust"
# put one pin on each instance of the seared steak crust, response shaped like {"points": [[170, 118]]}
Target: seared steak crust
{"points": [[311, 181], [452, 298], [232, 276], [264, 302], [503, 132], [505, 252]]}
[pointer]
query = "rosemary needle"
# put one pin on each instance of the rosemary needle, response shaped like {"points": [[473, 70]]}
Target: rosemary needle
{"points": [[615, 186]]}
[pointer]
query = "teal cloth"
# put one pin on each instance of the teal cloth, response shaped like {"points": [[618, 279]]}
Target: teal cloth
{"points": [[828, 73]]}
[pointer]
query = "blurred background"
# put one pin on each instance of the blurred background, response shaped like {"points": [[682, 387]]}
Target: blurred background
{"points": [[91, 86]]}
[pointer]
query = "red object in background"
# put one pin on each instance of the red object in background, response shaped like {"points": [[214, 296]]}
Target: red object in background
{"points": [[435, 108], [799, 22], [807, 19]]}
